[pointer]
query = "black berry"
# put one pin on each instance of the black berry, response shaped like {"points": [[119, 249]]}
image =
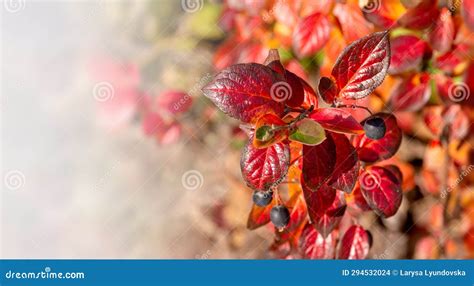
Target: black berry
{"points": [[262, 199], [374, 127], [280, 216]]}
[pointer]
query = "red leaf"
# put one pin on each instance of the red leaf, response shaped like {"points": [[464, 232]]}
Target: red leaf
{"points": [[370, 150], [337, 120], [327, 221], [381, 189], [468, 15], [453, 60], [296, 97], [441, 34], [383, 13], [353, 24], [328, 89], [406, 53], [359, 200], [420, 17], [310, 35], [318, 162], [259, 216], [326, 207], [355, 244], [310, 97], [362, 66], [346, 169], [314, 246], [319, 201], [226, 54], [411, 94], [243, 91], [298, 213], [265, 167], [293, 90]]}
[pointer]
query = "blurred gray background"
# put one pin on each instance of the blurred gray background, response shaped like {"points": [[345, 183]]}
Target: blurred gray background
{"points": [[73, 188]]}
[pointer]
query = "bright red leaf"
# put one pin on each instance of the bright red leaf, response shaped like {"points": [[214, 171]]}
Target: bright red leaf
{"points": [[411, 94], [355, 244], [310, 35], [314, 246], [353, 24], [326, 222], [319, 162], [243, 91], [362, 66], [370, 150], [265, 167], [328, 89], [420, 17], [468, 14], [346, 169], [406, 53], [381, 189], [337, 120], [442, 33]]}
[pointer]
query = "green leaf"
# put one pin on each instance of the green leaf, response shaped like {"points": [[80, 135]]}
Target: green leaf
{"points": [[264, 133], [308, 132]]}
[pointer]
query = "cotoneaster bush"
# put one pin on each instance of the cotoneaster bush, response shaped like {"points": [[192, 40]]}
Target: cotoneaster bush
{"points": [[315, 150]]}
